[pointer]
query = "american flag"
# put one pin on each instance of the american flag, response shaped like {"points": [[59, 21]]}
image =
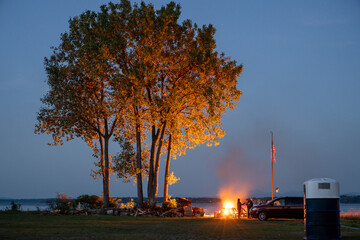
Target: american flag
{"points": [[273, 151]]}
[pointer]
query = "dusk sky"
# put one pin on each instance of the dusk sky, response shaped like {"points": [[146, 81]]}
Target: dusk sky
{"points": [[301, 80]]}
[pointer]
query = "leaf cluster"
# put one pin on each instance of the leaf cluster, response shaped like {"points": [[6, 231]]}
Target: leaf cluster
{"points": [[124, 163]]}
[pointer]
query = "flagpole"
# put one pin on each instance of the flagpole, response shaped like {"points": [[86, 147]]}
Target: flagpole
{"points": [[272, 167]]}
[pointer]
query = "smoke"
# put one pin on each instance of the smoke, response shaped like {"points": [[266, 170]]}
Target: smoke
{"points": [[238, 175]]}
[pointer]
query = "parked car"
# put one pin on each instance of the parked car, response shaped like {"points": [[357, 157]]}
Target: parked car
{"points": [[283, 207]]}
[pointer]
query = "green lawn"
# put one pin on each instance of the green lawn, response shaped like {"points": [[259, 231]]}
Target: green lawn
{"points": [[26, 225]]}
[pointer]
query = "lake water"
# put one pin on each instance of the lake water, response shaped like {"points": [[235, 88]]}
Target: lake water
{"points": [[210, 208], [26, 204]]}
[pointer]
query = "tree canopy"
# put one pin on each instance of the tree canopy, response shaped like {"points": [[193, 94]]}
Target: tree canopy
{"points": [[136, 73]]}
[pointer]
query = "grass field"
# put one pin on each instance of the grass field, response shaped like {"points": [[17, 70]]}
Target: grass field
{"points": [[26, 225]]}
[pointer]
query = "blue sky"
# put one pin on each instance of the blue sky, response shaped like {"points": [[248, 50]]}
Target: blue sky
{"points": [[301, 80]]}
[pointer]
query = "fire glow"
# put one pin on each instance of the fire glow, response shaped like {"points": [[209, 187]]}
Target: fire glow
{"points": [[228, 209], [235, 173], [229, 196]]}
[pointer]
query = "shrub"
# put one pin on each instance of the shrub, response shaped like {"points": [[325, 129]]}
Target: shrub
{"points": [[92, 201], [95, 201], [62, 203], [170, 204], [114, 202], [130, 204], [15, 207]]}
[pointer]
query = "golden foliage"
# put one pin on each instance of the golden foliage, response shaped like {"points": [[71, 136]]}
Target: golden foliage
{"points": [[132, 72], [172, 179], [130, 204]]}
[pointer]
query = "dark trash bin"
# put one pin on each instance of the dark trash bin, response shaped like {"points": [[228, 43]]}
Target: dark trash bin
{"points": [[322, 209]]}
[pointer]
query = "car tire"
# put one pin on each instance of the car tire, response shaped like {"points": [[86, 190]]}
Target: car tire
{"points": [[263, 216]]}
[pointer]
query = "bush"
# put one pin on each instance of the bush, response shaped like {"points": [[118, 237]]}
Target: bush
{"points": [[92, 201], [130, 204], [62, 203], [114, 202], [170, 204], [95, 201], [15, 207]]}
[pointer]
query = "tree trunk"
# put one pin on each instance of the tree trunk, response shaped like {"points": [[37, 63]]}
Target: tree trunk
{"points": [[154, 140], [167, 168], [139, 167], [156, 169], [102, 164], [106, 176]]}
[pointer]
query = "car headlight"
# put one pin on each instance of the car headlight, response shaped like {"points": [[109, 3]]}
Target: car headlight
{"points": [[254, 209]]}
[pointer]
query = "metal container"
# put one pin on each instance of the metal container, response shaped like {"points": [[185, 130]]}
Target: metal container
{"points": [[322, 209]]}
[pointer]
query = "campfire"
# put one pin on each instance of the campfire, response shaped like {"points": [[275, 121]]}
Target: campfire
{"points": [[229, 197], [229, 210]]}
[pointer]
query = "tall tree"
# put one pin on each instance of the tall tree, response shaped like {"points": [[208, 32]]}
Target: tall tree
{"points": [[80, 98], [182, 82]]}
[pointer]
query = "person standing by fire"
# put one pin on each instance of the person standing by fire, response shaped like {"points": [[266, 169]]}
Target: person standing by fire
{"points": [[249, 204], [239, 207]]}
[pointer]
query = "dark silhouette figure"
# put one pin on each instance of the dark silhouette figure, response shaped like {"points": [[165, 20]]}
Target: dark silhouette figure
{"points": [[239, 207], [249, 204]]}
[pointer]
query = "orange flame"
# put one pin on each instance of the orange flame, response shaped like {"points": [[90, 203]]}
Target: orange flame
{"points": [[228, 205], [231, 193], [228, 208]]}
